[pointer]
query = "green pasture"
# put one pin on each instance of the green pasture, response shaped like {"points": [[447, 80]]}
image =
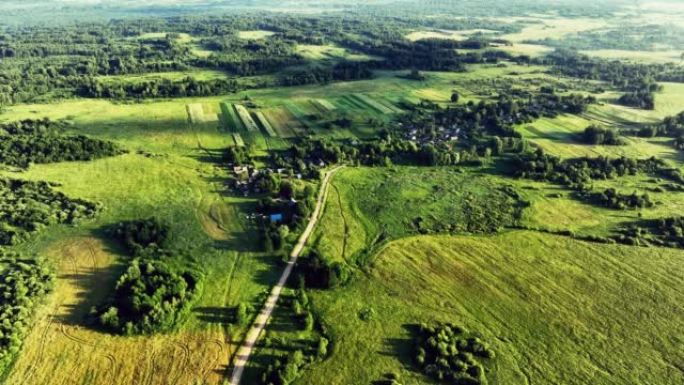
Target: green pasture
{"points": [[369, 206], [555, 310]]}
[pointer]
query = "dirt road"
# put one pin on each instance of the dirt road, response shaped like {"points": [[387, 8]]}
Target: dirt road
{"points": [[257, 328]]}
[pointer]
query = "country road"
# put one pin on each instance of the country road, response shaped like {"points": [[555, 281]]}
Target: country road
{"points": [[245, 351]]}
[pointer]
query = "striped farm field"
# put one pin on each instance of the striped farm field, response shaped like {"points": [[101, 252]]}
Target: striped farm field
{"points": [[389, 104], [299, 113], [282, 121], [265, 124], [229, 118], [367, 100], [201, 113], [246, 118], [324, 104], [355, 103]]}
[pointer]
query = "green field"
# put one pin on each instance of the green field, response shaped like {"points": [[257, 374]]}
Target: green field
{"points": [[554, 310], [402, 201], [330, 53], [169, 173]]}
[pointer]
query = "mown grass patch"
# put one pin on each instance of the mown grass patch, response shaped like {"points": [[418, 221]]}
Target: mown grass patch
{"points": [[255, 34]]}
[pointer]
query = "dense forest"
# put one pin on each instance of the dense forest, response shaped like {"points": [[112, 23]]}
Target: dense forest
{"points": [[42, 141]]}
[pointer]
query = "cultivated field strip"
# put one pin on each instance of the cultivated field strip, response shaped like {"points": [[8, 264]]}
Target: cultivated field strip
{"points": [[282, 121], [200, 113], [229, 118], [370, 102], [326, 105], [246, 118], [265, 124], [238, 139]]}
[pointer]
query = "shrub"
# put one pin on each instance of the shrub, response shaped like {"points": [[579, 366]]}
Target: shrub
{"points": [[142, 237]]}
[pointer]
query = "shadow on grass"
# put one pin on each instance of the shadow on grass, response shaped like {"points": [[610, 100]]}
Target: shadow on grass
{"points": [[93, 284], [402, 348], [216, 315]]}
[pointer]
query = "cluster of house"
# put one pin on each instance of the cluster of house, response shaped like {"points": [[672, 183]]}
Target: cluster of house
{"points": [[245, 178], [444, 134]]}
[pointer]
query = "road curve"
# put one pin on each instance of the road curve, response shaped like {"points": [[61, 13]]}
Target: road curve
{"points": [[260, 322]]}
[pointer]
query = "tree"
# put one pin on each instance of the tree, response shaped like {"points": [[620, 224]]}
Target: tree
{"points": [[455, 97], [241, 314], [322, 349], [308, 321]]}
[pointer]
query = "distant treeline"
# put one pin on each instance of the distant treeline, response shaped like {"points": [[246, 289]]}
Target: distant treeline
{"points": [[637, 80]]}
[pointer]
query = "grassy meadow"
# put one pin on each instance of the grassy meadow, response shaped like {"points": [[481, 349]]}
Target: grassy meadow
{"points": [[403, 201], [170, 172], [555, 310]]}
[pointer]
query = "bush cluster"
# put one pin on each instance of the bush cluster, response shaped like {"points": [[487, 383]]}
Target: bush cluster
{"points": [[665, 232], [150, 297], [318, 272], [599, 135], [445, 352], [142, 237], [612, 199]]}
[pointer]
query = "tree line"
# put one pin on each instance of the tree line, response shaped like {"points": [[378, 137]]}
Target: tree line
{"points": [[27, 207], [23, 284], [42, 141]]}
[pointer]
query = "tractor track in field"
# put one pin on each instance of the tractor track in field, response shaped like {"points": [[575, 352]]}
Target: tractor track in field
{"points": [[344, 222], [217, 359]]}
